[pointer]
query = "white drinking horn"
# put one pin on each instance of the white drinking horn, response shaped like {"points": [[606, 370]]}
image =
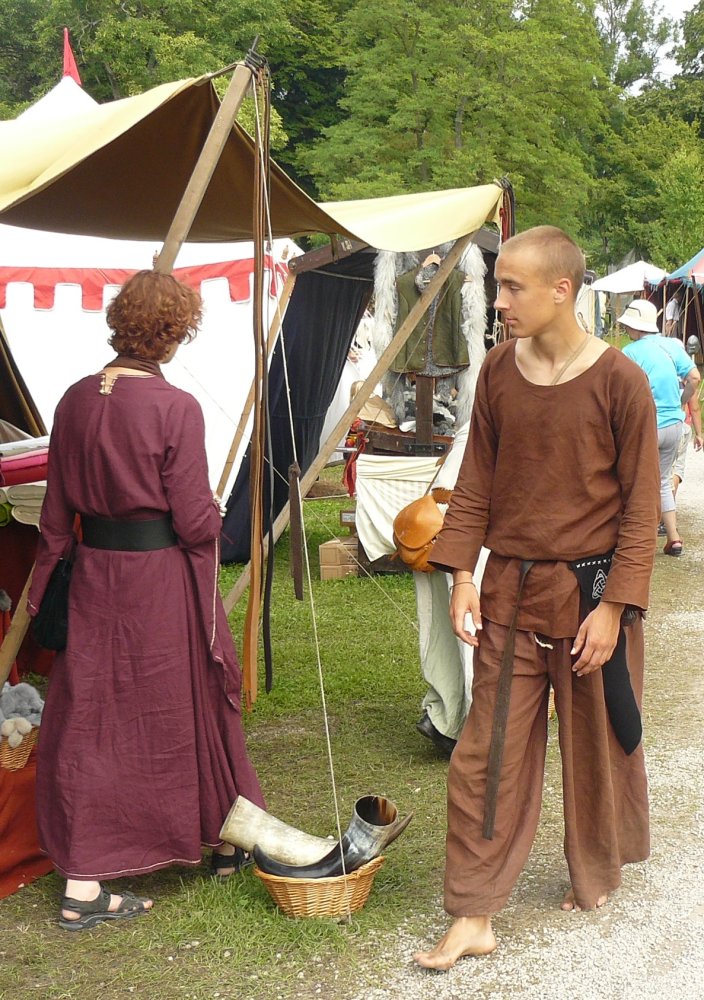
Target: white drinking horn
{"points": [[246, 825], [374, 825]]}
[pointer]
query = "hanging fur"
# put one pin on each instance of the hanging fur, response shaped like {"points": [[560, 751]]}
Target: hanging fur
{"points": [[397, 388]]}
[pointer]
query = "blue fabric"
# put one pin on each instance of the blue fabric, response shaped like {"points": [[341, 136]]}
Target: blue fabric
{"points": [[682, 273], [665, 362]]}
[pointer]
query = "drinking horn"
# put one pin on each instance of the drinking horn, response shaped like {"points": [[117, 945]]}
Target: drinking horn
{"points": [[374, 825], [246, 825]]}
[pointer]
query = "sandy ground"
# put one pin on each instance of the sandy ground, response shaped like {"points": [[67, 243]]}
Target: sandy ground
{"points": [[648, 941]]}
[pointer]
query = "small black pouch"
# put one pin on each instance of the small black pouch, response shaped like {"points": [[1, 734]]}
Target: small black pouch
{"points": [[50, 624]]}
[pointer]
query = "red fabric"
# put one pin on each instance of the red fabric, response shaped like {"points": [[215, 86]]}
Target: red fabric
{"points": [[93, 280], [21, 861], [18, 543], [355, 439], [5, 620], [15, 476], [70, 68]]}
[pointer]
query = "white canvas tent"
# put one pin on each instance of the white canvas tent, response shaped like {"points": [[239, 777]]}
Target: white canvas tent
{"points": [[630, 279], [53, 290]]}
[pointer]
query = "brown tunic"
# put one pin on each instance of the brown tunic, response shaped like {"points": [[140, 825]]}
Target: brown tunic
{"points": [[552, 473]]}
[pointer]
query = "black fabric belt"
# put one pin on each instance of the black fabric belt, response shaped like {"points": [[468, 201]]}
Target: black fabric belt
{"points": [[128, 536]]}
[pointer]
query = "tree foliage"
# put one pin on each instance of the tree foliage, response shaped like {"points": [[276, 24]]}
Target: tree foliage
{"points": [[563, 96]]}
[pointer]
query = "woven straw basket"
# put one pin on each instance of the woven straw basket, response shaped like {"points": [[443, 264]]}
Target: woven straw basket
{"points": [[322, 897], [15, 758]]}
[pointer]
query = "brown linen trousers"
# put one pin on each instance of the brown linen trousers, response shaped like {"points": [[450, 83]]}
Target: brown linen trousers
{"points": [[604, 791]]}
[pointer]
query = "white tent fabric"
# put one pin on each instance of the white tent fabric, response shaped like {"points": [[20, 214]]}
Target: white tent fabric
{"points": [[629, 279], [55, 347], [66, 100]]}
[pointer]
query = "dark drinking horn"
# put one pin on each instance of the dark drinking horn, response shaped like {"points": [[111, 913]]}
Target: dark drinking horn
{"points": [[374, 825]]}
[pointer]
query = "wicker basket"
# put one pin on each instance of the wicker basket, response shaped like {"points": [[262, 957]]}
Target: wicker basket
{"points": [[15, 758], [322, 897]]}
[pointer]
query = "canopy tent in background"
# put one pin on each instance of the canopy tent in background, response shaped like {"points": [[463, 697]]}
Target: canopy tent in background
{"points": [[53, 290], [614, 291], [686, 284], [630, 279]]}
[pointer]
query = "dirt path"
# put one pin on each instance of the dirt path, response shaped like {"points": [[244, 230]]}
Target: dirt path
{"points": [[647, 942]]}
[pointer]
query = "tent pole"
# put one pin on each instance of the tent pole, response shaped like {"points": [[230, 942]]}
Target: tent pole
{"points": [[204, 168], [249, 402], [343, 424]]}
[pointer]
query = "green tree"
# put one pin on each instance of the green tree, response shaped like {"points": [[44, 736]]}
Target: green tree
{"points": [[455, 94], [633, 33]]}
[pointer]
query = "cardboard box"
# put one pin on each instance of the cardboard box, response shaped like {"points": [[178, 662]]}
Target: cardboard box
{"points": [[337, 572], [338, 558]]}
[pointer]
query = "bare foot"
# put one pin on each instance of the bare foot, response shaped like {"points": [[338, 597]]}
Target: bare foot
{"points": [[467, 936], [570, 904]]}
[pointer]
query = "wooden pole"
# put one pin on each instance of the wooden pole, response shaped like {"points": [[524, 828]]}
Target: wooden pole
{"points": [[204, 168], [249, 402], [16, 633], [343, 424], [177, 234]]}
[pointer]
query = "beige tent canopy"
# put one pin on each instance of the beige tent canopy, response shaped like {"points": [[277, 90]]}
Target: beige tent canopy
{"points": [[120, 170]]}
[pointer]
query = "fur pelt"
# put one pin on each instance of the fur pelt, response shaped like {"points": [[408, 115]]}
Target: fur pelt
{"points": [[388, 266]]}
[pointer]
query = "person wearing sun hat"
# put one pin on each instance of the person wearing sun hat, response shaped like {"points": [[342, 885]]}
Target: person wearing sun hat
{"points": [[668, 367]]}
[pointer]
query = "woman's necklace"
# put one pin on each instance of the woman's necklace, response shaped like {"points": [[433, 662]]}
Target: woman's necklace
{"points": [[573, 357]]}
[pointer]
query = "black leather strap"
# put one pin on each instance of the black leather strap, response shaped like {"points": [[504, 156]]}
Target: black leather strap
{"points": [[128, 536]]}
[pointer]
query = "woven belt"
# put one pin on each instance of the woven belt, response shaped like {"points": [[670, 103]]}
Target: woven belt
{"points": [[441, 495], [128, 536]]}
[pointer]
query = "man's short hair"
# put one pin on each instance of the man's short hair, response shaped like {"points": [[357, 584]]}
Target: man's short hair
{"points": [[555, 254]]}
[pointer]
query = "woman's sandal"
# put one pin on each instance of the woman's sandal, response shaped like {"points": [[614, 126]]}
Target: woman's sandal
{"points": [[95, 911], [222, 866], [673, 548]]}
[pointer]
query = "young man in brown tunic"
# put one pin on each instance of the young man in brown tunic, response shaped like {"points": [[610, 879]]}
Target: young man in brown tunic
{"points": [[561, 464]]}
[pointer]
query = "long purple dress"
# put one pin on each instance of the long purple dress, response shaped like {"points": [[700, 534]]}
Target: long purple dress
{"points": [[141, 750]]}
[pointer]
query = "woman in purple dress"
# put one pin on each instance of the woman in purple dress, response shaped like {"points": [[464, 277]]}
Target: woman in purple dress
{"points": [[142, 750]]}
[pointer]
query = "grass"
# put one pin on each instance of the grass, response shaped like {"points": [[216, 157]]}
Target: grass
{"points": [[207, 940]]}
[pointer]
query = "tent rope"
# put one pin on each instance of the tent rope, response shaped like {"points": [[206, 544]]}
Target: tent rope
{"points": [[308, 575]]}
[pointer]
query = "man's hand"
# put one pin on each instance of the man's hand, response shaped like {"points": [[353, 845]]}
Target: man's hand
{"points": [[465, 600], [597, 637], [698, 441]]}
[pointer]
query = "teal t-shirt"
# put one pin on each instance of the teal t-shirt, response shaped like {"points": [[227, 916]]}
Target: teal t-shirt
{"points": [[665, 362]]}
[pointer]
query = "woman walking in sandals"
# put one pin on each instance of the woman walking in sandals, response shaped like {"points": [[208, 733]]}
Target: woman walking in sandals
{"points": [[142, 750]]}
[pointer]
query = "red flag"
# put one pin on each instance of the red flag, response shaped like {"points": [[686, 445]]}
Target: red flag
{"points": [[70, 68]]}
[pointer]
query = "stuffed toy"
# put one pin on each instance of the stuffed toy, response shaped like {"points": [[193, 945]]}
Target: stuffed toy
{"points": [[20, 708]]}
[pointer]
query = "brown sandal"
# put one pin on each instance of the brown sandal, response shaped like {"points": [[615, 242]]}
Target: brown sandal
{"points": [[674, 548]]}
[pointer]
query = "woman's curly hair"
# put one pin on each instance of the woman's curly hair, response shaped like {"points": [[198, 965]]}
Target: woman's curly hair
{"points": [[150, 313]]}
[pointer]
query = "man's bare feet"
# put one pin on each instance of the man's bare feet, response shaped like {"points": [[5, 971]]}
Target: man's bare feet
{"points": [[570, 904], [466, 936]]}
